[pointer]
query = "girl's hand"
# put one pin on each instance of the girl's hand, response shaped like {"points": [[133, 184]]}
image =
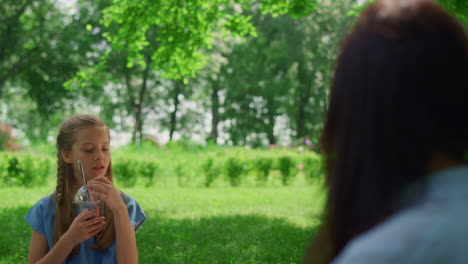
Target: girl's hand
{"points": [[83, 228], [104, 190]]}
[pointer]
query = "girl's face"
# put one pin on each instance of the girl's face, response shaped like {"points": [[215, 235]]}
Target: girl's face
{"points": [[91, 146]]}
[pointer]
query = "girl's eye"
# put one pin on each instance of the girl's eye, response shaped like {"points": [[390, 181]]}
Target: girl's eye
{"points": [[105, 149], [88, 150]]}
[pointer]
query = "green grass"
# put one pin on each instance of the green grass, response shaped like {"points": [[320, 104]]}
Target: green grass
{"points": [[187, 225]]}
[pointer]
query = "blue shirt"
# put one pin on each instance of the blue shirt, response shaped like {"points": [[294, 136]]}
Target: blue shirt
{"points": [[41, 219], [434, 230]]}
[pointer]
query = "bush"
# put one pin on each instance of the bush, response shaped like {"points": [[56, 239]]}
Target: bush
{"points": [[21, 169], [263, 166], [234, 170], [124, 171], [148, 170], [312, 169], [13, 172], [183, 174], [210, 170], [34, 171], [287, 169]]}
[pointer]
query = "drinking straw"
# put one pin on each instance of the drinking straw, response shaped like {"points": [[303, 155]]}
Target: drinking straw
{"points": [[84, 183]]}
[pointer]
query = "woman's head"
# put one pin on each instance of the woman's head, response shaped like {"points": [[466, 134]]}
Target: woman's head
{"points": [[85, 138], [398, 98]]}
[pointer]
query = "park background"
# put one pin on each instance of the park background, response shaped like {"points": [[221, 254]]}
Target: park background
{"points": [[208, 103]]}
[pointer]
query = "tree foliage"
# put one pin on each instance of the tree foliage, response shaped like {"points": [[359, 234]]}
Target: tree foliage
{"points": [[185, 29]]}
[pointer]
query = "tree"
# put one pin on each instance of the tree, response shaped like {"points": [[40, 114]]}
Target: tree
{"points": [[42, 49], [314, 49], [284, 73], [258, 79], [126, 88], [18, 27]]}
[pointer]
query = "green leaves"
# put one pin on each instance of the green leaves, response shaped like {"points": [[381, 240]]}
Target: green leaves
{"points": [[294, 8], [186, 29], [457, 7], [239, 25], [358, 8]]}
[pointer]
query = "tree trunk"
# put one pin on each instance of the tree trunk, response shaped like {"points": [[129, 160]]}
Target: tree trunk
{"points": [[132, 105], [270, 115], [271, 127], [138, 130], [303, 99], [177, 90], [303, 95], [214, 111]]}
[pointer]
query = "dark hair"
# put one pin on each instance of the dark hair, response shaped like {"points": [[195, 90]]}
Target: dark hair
{"points": [[399, 96]]}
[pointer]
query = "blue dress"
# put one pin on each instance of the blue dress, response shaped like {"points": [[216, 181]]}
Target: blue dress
{"points": [[41, 218]]}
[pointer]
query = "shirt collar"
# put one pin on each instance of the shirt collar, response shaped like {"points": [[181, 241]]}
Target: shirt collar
{"points": [[450, 182]]}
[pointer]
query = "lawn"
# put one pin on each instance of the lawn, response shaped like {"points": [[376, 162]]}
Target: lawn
{"points": [[195, 225]]}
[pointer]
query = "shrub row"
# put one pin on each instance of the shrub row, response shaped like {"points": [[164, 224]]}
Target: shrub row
{"points": [[24, 169], [233, 166], [238, 164]]}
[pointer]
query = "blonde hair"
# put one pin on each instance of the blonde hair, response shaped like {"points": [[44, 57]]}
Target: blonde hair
{"points": [[63, 196]]}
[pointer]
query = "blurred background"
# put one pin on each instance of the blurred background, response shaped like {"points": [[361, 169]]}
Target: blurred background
{"points": [[243, 73]]}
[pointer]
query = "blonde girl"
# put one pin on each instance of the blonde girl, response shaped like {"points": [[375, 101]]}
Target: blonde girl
{"points": [[62, 235]]}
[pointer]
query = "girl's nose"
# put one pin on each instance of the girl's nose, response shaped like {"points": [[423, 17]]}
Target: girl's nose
{"points": [[99, 155]]}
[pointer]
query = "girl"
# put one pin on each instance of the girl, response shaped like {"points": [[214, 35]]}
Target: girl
{"points": [[60, 235], [395, 140]]}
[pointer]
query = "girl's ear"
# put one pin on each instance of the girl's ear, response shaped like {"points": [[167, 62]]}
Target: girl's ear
{"points": [[66, 156]]}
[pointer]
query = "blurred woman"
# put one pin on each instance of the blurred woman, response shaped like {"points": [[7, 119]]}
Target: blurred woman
{"points": [[395, 140]]}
